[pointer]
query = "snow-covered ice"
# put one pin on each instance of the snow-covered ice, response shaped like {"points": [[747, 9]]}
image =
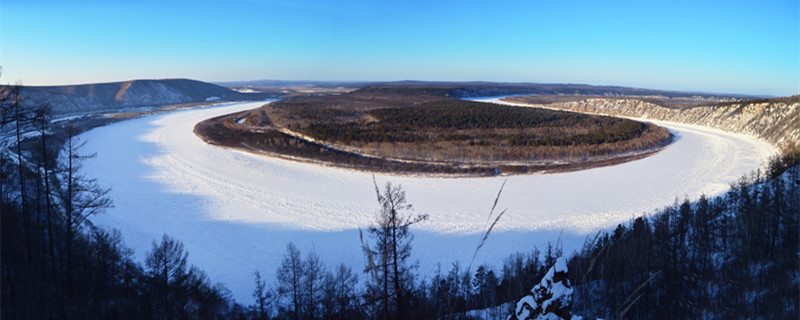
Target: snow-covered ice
{"points": [[235, 211]]}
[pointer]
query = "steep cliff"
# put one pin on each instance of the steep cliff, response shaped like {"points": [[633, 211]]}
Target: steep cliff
{"points": [[777, 121]]}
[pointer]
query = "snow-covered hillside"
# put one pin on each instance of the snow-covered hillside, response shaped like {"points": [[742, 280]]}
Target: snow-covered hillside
{"points": [[129, 95], [776, 121], [235, 212]]}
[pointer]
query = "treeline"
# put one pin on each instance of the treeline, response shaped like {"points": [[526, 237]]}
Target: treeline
{"points": [[356, 133], [730, 257], [461, 115], [299, 111], [410, 124], [616, 132], [786, 100], [475, 132], [55, 264], [308, 289]]}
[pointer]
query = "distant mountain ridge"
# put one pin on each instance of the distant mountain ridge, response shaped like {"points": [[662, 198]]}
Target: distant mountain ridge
{"points": [[294, 83], [475, 89], [136, 95], [130, 95]]}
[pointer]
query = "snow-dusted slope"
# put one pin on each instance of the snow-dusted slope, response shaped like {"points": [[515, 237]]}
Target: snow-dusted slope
{"points": [[128, 95], [776, 121], [236, 212]]}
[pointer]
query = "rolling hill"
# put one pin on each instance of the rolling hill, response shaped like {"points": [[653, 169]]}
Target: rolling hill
{"points": [[131, 95]]}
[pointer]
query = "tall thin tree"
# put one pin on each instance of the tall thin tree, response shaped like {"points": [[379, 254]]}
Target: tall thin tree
{"points": [[81, 197], [290, 276], [167, 269], [393, 241]]}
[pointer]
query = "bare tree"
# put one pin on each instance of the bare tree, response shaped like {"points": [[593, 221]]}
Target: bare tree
{"points": [[21, 116], [340, 293], [393, 248], [81, 197], [264, 298], [167, 269], [290, 276], [7, 116], [47, 160], [313, 276]]}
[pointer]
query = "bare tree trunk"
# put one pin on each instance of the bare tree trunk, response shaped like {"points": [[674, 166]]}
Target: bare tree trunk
{"points": [[385, 284], [397, 290], [82, 198], [26, 217], [68, 220], [47, 193], [295, 294], [20, 166], [393, 244]]}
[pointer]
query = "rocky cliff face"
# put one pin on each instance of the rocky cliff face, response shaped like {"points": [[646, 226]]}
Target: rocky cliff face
{"points": [[777, 121], [123, 96]]}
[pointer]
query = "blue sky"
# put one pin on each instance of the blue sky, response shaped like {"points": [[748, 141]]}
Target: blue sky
{"points": [[750, 47]]}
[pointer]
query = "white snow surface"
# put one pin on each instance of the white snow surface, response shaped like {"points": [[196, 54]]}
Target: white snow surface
{"points": [[558, 290], [235, 212]]}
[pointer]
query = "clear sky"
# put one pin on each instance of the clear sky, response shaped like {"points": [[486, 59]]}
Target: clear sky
{"points": [[750, 47]]}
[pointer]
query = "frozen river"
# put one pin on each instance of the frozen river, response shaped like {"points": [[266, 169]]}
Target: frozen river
{"points": [[235, 212]]}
